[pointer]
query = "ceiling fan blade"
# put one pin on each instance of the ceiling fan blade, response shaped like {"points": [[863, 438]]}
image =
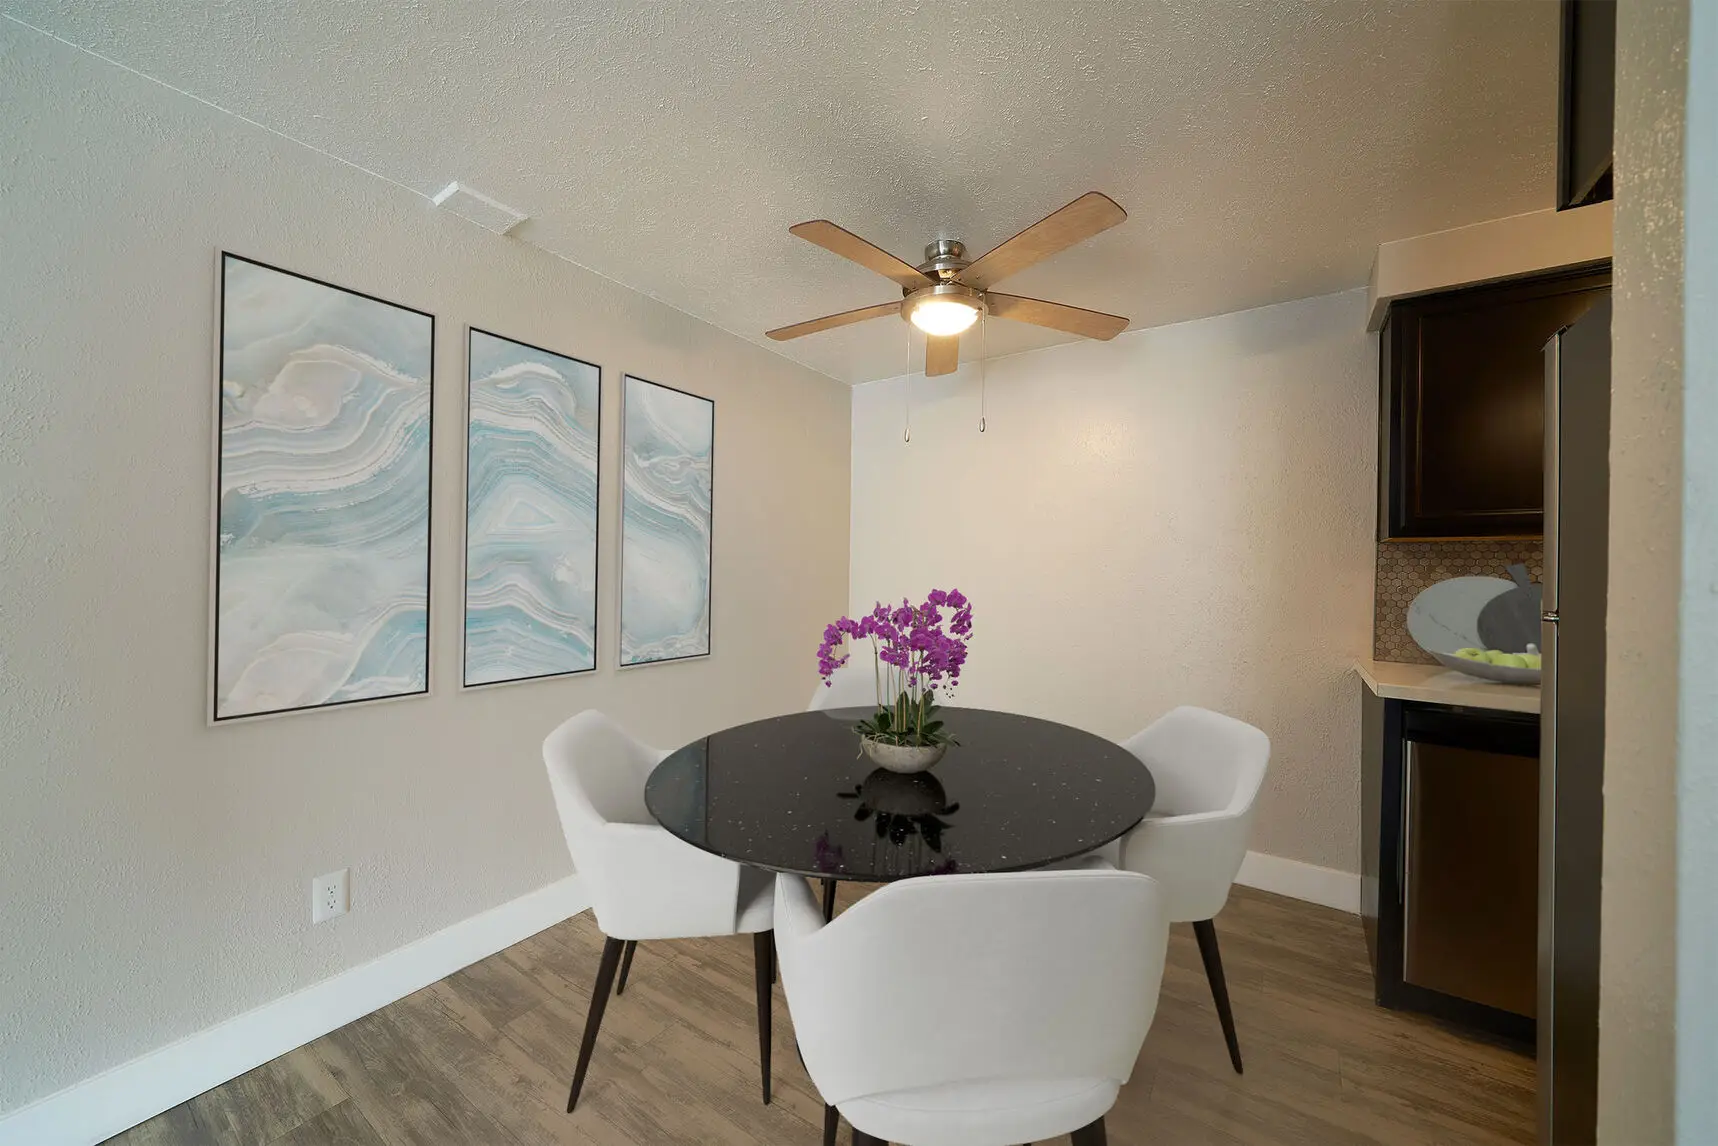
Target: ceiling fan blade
{"points": [[831, 321], [1079, 220], [1073, 319], [850, 246], [942, 355]]}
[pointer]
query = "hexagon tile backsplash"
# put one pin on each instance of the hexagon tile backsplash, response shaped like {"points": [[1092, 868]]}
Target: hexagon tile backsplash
{"points": [[1407, 567]]}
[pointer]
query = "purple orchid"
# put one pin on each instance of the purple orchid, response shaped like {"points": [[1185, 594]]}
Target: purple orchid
{"points": [[920, 656]]}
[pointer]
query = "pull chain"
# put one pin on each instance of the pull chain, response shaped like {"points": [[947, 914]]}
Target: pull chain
{"points": [[907, 387], [983, 369]]}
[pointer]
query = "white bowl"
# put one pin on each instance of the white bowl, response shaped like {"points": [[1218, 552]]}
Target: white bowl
{"points": [[903, 758], [1503, 674]]}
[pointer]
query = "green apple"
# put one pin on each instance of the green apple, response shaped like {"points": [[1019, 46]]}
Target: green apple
{"points": [[1471, 654], [1532, 660], [1509, 660]]}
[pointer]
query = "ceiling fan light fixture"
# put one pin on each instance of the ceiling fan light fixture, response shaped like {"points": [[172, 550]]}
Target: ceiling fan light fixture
{"points": [[940, 317], [944, 309]]}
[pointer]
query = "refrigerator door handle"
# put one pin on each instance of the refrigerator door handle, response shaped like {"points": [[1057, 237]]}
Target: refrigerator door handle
{"points": [[1553, 432], [1547, 1002], [1403, 864]]}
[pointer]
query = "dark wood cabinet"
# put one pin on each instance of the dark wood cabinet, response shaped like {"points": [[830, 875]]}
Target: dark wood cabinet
{"points": [[1462, 403], [1587, 102]]}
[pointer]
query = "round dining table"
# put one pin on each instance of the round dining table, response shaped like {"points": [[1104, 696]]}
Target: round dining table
{"points": [[794, 794]]}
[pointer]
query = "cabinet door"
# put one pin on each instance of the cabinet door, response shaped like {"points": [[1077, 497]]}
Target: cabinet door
{"points": [[1586, 108], [1468, 406], [1471, 908]]}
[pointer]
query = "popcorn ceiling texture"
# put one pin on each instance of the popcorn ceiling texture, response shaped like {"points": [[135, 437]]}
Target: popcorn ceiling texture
{"points": [[1263, 148], [155, 872], [1405, 568]]}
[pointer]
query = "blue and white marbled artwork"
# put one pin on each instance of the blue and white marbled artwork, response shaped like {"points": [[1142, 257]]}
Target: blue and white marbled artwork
{"points": [[531, 512], [322, 560], [665, 524]]}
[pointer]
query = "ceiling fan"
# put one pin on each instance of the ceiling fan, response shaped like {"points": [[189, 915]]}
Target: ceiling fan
{"points": [[946, 293]]}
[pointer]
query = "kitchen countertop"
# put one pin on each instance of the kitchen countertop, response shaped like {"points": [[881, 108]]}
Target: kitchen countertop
{"points": [[1435, 684]]}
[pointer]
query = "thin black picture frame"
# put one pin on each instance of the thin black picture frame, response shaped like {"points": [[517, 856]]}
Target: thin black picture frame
{"points": [[465, 533], [215, 716], [709, 549]]}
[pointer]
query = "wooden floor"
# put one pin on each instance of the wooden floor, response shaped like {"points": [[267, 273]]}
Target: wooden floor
{"points": [[485, 1056]]}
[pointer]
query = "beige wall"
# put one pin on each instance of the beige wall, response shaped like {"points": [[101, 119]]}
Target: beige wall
{"points": [[1637, 1005], [156, 871], [1182, 515]]}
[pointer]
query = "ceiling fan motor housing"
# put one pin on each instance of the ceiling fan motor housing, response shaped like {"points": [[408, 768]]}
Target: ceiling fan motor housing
{"points": [[944, 258]]}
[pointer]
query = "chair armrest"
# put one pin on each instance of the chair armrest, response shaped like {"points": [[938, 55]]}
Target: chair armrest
{"points": [[799, 928], [798, 915], [654, 886], [1195, 857]]}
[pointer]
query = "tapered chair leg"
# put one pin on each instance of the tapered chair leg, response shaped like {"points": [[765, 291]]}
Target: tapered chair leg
{"points": [[831, 1122], [625, 966], [828, 900], [763, 955], [1092, 1135], [1206, 932], [611, 950]]}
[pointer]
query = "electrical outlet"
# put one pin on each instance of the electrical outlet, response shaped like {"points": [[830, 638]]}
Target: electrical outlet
{"points": [[328, 896]]}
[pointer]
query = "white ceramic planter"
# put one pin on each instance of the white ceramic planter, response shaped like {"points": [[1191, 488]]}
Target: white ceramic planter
{"points": [[903, 758]]}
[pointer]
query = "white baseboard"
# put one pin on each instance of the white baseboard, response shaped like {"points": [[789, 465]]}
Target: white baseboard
{"points": [[115, 1100], [1321, 885]]}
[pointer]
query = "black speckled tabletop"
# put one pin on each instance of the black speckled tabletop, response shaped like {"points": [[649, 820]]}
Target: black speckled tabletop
{"points": [[792, 793]]}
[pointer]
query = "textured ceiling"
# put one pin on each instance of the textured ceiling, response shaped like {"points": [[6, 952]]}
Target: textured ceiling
{"points": [[1262, 149]]}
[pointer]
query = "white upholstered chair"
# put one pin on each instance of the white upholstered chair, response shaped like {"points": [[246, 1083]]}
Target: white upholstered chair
{"points": [[853, 685], [975, 1010], [1208, 768], [644, 883]]}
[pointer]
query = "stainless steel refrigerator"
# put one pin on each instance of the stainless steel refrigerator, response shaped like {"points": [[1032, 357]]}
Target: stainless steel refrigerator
{"points": [[1572, 722]]}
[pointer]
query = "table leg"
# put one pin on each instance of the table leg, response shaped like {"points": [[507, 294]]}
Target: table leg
{"points": [[828, 900]]}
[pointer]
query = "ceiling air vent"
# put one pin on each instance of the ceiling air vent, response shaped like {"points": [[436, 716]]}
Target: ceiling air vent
{"points": [[478, 208]]}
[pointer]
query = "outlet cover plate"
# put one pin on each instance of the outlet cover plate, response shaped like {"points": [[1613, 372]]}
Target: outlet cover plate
{"points": [[329, 896]]}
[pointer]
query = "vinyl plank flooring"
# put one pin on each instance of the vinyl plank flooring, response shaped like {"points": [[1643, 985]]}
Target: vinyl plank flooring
{"points": [[1257, 1111], [340, 1125], [486, 1055], [497, 988], [261, 1105], [175, 1127], [550, 1032], [721, 1069], [642, 1109], [407, 1097], [513, 1091], [253, 1109]]}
